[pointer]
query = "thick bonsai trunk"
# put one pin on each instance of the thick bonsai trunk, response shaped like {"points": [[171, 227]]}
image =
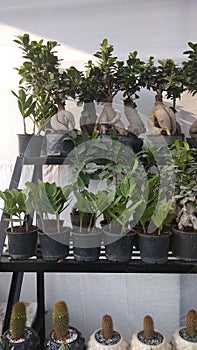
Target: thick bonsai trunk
{"points": [[136, 126], [110, 118], [88, 118]]}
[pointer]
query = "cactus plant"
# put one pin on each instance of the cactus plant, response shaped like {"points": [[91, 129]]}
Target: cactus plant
{"points": [[63, 336], [148, 328], [19, 336], [191, 324], [107, 336], [149, 338], [186, 337], [18, 321], [107, 327], [60, 321]]}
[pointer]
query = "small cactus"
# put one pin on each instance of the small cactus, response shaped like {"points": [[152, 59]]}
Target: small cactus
{"points": [[107, 327], [191, 324], [148, 328], [60, 321], [18, 321]]}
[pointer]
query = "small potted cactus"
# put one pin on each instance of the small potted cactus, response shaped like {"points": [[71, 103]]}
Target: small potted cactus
{"points": [[186, 337], [148, 338], [19, 336], [63, 336], [107, 337]]}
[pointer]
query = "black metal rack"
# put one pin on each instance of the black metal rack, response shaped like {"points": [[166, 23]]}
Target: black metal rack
{"points": [[68, 265]]}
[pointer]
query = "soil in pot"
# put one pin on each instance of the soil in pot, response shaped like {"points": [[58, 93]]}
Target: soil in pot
{"points": [[154, 248], [184, 244], [86, 245], [54, 246], [21, 244], [119, 248]]}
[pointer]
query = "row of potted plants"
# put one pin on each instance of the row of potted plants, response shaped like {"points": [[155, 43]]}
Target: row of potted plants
{"points": [[64, 336], [118, 194], [45, 87]]}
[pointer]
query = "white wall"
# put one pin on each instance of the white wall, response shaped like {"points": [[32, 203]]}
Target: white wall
{"points": [[160, 28]]}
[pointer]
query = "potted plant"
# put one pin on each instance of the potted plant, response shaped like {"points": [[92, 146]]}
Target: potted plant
{"points": [[65, 84], [184, 239], [40, 63], [168, 77], [190, 82], [22, 238], [186, 337], [49, 199], [107, 337], [19, 336], [149, 338], [87, 240], [131, 85], [63, 336], [119, 235]]}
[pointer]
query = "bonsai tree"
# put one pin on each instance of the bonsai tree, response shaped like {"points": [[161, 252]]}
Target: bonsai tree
{"points": [[149, 337], [47, 198], [107, 336], [132, 83], [87, 96], [107, 74], [190, 79], [63, 336], [19, 332], [166, 77], [186, 337]]}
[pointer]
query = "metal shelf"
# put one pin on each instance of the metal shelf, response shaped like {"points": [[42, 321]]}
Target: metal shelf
{"points": [[135, 265]]}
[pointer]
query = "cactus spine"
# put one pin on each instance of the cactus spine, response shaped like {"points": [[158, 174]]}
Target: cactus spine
{"points": [[18, 321], [191, 323], [148, 328], [60, 321], [107, 327]]}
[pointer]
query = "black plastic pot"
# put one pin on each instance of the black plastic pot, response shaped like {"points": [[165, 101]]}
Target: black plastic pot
{"points": [[30, 145], [22, 245], [159, 140], [75, 220], [86, 246], [119, 248], [54, 246], [77, 344], [184, 245], [134, 142], [56, 146], [31, 341], [154, 249], [192, 141]]}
